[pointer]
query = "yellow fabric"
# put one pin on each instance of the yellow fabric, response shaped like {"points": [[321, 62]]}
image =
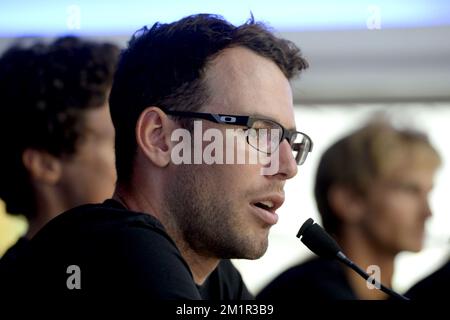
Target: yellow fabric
{"points": [[11, 228]]}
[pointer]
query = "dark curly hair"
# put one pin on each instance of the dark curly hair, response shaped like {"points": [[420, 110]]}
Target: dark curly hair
{"points": [[44, 91], [165, 66]]}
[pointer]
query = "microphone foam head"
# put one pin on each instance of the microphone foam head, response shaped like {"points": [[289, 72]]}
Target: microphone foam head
{"points": [[318, 240]]}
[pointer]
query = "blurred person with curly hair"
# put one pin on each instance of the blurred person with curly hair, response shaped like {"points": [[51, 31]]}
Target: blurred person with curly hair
{"points": [[56, 133]]}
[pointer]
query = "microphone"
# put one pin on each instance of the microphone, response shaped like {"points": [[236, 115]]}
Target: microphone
{"points": [[321, 243]]}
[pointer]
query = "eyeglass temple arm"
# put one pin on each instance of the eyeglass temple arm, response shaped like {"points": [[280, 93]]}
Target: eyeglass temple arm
{"points": [[217, 118]]}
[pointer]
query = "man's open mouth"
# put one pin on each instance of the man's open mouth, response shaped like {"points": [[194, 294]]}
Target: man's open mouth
{"points": [[266, 205]]}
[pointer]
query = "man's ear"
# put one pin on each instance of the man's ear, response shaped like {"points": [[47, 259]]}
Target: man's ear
{"points": [[153, 131], [346, 203], [42, 166]]}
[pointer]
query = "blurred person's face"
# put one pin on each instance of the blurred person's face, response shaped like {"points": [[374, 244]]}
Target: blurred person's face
{"points": [[397, 207], [89, 175], [218, 207]]}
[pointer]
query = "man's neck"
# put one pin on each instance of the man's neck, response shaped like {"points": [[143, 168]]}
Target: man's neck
{"points": [[365, 254], [35, 224], [200, 265], [46, 209]]}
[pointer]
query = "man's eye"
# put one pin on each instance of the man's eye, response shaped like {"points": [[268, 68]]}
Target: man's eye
{"points": [[409, 188], [260, 128]]}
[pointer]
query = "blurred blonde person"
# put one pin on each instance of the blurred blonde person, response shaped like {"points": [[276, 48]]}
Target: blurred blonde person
{"points": [[371, 190]]}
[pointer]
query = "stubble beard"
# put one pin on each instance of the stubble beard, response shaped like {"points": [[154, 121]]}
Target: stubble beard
{"points": [[206, 219]]}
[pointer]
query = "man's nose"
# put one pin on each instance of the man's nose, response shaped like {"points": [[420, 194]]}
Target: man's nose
{"points": [[288, 166]]}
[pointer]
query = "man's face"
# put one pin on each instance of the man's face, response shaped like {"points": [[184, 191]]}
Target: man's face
{"points": [[89, 175], [397, 209], [218, 207]]}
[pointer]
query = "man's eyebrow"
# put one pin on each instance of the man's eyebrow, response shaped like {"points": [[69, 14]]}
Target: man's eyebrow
{"points": [[258, 115]]}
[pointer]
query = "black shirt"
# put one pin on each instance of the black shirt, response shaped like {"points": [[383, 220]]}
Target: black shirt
{"points": [[433, 287], [14, 251], [118, 253], [318, 279], [9, 259]]}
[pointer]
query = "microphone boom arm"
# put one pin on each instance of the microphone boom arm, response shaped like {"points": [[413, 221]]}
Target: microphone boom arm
{"points": [[321, 243]]}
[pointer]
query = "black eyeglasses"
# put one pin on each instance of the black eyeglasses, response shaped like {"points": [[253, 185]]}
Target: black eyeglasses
{"points": [[264, 135]]}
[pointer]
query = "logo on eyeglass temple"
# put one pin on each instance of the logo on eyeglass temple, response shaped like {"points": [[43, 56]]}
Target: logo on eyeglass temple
{"points": [[226, 119]]}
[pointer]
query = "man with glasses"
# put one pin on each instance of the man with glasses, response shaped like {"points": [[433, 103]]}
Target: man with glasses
{"points": [[170, 229], [264, 135]]}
